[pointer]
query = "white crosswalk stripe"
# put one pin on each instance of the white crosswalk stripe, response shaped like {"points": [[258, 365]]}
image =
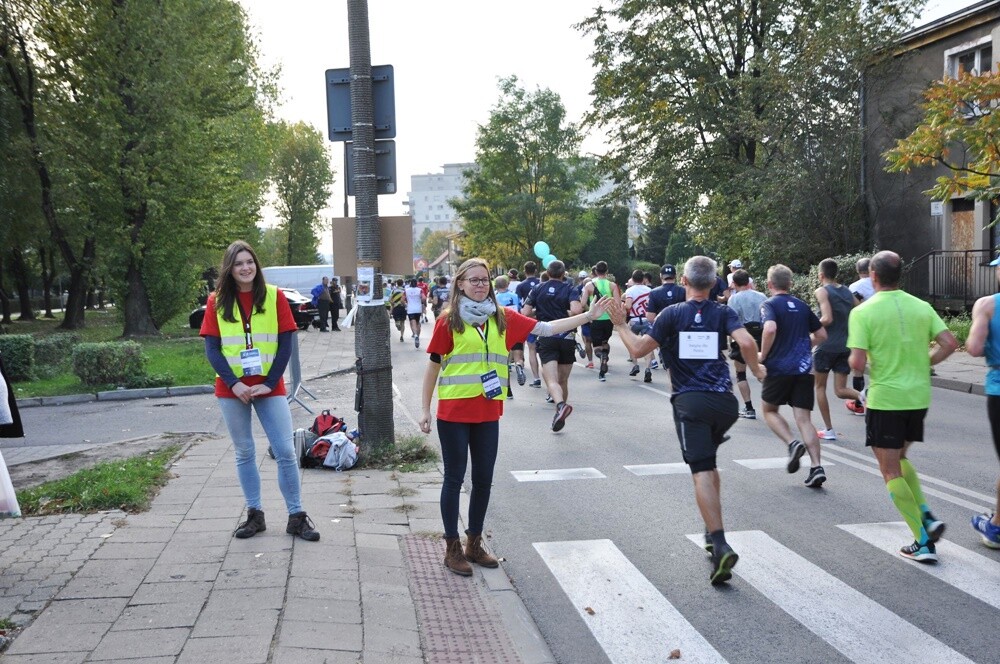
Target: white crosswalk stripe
{"points": [[966, 570], [557, 474], [769, 463], [659, 469], [628, 616], [861, 629]]}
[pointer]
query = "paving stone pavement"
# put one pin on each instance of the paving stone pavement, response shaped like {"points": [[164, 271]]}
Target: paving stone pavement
{"points": [[172, 585]]}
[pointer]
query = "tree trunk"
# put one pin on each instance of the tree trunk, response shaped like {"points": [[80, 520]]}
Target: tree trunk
{"points": [[136, 307], [20, 272], [371, 341], [79, 276], [4, 299], [48, 272]]}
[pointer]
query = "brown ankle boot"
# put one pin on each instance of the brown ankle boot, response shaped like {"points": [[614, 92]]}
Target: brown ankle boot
{"points": [[454, 560], [476, 553]]}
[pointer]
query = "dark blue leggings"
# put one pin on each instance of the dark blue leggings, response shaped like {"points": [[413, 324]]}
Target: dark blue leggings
{"points": [[459, 441]]}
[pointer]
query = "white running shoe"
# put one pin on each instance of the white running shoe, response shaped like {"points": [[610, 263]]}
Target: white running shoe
{"points": [[826, 434]]}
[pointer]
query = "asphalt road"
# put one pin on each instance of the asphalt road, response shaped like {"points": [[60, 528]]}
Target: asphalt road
{"points": [[607, 569]]}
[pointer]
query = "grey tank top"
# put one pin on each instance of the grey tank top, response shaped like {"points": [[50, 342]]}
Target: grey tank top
{"points": [[841, 301]]}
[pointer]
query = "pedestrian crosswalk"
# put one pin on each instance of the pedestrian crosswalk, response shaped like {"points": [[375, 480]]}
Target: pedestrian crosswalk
{"points": [[633, 621]]}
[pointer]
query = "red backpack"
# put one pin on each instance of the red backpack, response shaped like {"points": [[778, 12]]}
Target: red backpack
{"points": [[326, 423]]}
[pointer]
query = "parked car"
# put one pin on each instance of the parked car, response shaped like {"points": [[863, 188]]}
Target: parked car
{"points": [[302, 309]]}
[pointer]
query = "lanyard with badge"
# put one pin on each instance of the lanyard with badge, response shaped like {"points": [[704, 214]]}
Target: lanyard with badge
{"points": [[490, 379], [698, 345], [249, 358]]}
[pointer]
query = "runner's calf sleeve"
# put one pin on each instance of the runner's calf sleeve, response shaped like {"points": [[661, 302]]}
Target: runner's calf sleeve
{"points": [[741, 376], [913, 481], [858, 382], [902, 498]]}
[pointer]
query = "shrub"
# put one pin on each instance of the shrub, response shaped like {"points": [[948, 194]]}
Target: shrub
{"points": [[804, 285], [109, 362], [152, 380], [959, 326], [18, 351], [55, 349]]}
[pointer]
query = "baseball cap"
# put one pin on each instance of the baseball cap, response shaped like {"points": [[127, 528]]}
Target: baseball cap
{"points": [[736, 264], [583, 274], [995, 261], [668, 270]]}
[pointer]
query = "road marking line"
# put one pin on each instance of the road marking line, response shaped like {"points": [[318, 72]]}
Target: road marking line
{"points": [[659, 469], [978, 508], [631, 620], [926, 479], [653, 389], [966, 570], [557, 474], [861, 629], [768, 463]]}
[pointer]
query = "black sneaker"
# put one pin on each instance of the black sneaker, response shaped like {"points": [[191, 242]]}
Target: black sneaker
{"points": [[253, 525], [722, 565], [549, 399], [709, 545], [634, 371], [536, 383], [519, 370], [795, 451], [648, 376], [934, 528], [300, 524], [816, 477], [580, 351], [748, 414], [604, 364], [923, 553], [562, 412]]}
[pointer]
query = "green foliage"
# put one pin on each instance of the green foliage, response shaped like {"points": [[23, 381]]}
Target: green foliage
{"points": [[645, 266], [302, 178], [609, 242], [959, 326], [804, 285], [410, 453], [18, 352], [740, 120], [53, 353], [126, 485], [431, 244], [528, 182], [109, 363]]}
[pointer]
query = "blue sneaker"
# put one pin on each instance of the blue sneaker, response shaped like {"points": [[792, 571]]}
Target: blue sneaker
{"points": [[934, 528], [986, 530], [922, 553]]}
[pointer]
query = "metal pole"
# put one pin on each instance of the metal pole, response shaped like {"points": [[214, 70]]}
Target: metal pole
{"points": [[295, 366], [372, 334]]}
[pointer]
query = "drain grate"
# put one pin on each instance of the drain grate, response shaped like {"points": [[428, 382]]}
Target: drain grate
{"points": [[457, 624]]}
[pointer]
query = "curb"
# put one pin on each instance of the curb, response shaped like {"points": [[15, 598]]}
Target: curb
{"points": [[116, 395], [957, 385]]}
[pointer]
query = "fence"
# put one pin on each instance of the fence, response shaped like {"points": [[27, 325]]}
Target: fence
{"points": [[951, 280]]}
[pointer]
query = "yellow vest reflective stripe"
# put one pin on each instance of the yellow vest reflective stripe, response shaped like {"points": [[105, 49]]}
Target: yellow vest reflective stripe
{"points": [[469, 359], [263, 332]]}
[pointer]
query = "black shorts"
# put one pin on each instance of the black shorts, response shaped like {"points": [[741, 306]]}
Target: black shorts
{"points": [[824, 362], [601, 331], [755, 330], [796, 391], [399, 313], [556, 349], [891, 429], [414, 316], [518, 346], [993, 411], [702, 419]]}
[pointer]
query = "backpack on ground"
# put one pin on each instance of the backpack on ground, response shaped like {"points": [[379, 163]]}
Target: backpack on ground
{"points": [[335, 451], [326, 423]]}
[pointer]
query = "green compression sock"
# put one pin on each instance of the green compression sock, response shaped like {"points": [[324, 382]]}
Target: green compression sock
{"points": [[913, 481], [902, 497]]}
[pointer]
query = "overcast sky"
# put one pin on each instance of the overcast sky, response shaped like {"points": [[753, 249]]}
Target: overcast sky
{"points": [[447, 56]]}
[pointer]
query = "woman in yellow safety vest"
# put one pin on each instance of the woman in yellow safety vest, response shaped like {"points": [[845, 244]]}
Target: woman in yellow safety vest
{"points": [[468, 364], [248, 328]]}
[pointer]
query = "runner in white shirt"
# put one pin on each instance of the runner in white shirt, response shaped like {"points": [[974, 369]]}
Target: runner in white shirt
{"points": [[415, 304], [863, 290], [636, 297]]}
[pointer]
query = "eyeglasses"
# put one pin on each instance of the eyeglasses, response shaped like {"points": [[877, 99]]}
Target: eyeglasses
{"points": [[477, 281]]}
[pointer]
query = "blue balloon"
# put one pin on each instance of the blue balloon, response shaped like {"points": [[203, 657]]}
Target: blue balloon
{"points": [[548, 259], [542, 249]]}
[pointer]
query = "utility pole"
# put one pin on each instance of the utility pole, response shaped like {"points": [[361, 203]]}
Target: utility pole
{"points": [[371, 339]]}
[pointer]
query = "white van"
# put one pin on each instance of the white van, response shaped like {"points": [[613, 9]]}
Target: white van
{"points": [[300, 277]]}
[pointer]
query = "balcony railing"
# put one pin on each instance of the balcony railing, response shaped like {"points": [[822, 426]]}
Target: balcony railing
{"points": [[951, 280]]}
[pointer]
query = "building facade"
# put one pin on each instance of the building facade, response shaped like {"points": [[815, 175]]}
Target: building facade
{"points": [[428, 198]]}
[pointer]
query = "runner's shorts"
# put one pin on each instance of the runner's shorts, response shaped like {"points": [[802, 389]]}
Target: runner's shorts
{"points": [[557, 349], [702, 419], [824, 362], [601, 331], [755, 331], [892, 428], [796, 391], [640, 326]]}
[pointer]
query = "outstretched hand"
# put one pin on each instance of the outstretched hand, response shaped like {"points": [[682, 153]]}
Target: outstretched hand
{"points": [[616, 311], [598, 308]]}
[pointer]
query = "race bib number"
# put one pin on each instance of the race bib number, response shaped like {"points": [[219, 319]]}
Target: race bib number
{"points": [[698, 346], [491, 384], [250, 359]]}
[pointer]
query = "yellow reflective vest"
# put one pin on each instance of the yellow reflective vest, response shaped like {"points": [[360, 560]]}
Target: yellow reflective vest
{"points": [[471, 357], [263, 333]]}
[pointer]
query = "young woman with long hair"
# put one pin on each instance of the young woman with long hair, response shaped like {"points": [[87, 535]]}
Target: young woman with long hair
{"points": [[468, 364], [248, 330]]}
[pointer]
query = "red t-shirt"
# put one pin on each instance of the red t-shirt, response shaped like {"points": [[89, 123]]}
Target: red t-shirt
{"points": [[210, 328], [475, 409], [424, 288]]}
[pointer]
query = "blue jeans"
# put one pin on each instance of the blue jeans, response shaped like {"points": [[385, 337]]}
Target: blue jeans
{"points": [[276, 419], [459, 441]]}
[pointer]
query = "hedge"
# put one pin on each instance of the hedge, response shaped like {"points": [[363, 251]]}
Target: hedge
{"points": [[18, 351], [115, 363], [54, 350]]}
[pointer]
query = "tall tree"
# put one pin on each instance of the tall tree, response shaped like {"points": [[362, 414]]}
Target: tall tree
{"points": [[529, 180], [431, 244], [716, 106], [302, 180], [609, 242]]}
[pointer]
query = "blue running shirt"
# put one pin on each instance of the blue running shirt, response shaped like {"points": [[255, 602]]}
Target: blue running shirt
{"points": [[696, 316], [791, 352]]}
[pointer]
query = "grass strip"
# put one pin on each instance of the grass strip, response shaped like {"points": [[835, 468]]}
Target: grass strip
{"points": [[126, 484], [408, 455]]}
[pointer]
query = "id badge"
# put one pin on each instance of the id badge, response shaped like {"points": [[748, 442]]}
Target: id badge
{"points": [[491, 384], [250, 359], [698, 346]]}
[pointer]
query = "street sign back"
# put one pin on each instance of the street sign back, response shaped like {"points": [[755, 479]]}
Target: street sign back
{"points": [[385, 167], [338, 103]]}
